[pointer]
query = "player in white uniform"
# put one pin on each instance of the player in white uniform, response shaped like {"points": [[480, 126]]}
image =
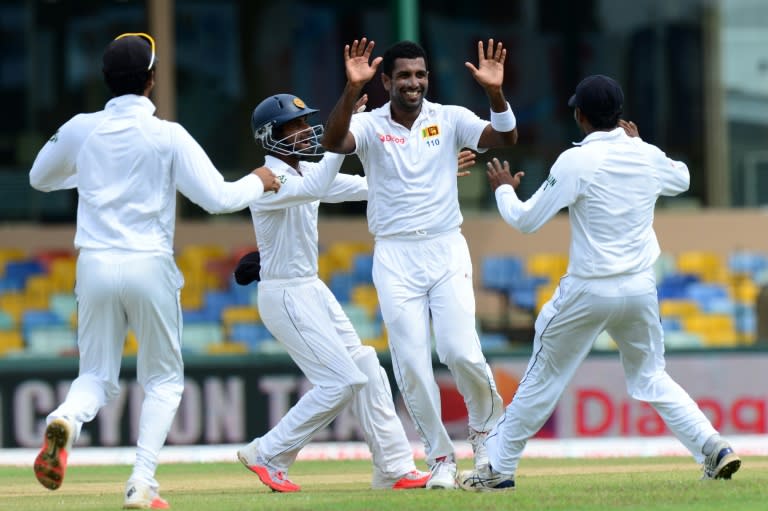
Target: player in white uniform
{"points": [[302, 313], [422, 266], [127, 166], [610, 183]]}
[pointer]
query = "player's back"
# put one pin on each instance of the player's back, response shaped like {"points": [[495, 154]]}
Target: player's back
{"points": [[612, 218]]}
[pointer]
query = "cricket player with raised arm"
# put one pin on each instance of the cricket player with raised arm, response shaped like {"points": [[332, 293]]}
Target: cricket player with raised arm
{"points": [[609, 182], [422, 268]]}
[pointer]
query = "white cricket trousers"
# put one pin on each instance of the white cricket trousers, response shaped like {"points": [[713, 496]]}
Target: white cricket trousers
{"points": [[627, 308], [117, 291], [418, 277], [306, 318]]}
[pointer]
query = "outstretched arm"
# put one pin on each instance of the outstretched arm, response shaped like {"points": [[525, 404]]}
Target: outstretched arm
{"points": [[359, 69], [489, 73]]}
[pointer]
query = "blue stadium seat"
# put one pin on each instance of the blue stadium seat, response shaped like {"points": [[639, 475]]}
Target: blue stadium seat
{"points": [[500, 273], [362, 268], [747, 263], [341, 286], [675, 285], [17, 272], [252, 334]]}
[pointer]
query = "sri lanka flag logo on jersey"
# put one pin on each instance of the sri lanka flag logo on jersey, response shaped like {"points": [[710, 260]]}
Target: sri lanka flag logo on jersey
{"points": [[430, 131]]}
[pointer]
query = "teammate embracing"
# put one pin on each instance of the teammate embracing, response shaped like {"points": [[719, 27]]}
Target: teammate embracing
{"points": [[610, 183], [302, 313]]}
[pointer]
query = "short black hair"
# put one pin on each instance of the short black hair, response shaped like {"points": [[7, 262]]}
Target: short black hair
{"points": [[133, 82], [401, 50], [603, 121]]}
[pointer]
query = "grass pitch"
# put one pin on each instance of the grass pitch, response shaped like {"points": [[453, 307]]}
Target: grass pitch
{"points": [[665, 484]]}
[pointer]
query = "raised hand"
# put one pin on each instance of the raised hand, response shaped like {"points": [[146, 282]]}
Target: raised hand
{"points": [[490, 69], [498, 174], [357, 62]]}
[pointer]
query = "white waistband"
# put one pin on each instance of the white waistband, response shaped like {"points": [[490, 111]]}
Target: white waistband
{"points": [[418, 235]]}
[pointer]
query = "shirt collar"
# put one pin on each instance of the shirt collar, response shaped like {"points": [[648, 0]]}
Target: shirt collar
{"points": [[276, 164], [127, 101], [427, 110], [602, 135]]}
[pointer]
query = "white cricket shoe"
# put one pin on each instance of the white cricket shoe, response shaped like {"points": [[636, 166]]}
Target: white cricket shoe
{"points": [[477, 439], [486, 479], [140, 495], [722, 463], [443, 475]]}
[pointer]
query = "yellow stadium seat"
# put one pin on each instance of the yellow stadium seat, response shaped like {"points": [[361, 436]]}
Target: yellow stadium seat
{"points": [[13, 303], [342, 254], [38, 291], [709, 266], [239, 314], [551, 266], [10, 254], [62, 274], [365, 296], [10, 341], [715, 330], [227, 348], [744, 290], [677, 307]]}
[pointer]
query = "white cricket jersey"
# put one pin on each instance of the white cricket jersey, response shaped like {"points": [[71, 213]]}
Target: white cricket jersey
{"points": [[285, 222], [412, 173], [127, 165], [610, 183]]}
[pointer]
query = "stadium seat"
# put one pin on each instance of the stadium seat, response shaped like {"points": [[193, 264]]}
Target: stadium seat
{"points": [[550, 266], [251, 334], [63, 305], [675, 285], [749, 264], [681, 340], [227, 348], [342, 254], [500, 273], [341, 286], [362, 268], [196, 337], [17, 272], [708, 266], [677, 307], [365, 296], [32, 319], [11, 341], [6, 321], [234, 314], [715, 330], [50, 340]]}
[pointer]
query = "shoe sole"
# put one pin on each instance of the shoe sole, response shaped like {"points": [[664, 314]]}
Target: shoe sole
{"points": [[157, 503], [730, 465], [263, 475], [51, 463]]}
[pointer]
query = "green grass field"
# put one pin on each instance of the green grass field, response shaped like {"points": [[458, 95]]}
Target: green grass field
{"points": [[543, 484]]}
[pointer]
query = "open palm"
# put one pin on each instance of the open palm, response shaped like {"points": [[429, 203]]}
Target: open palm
{"points": [[357, 61], [490, 69]]}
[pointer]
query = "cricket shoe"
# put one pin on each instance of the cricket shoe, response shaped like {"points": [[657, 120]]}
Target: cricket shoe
{"points": [[722, 463], [51, 462], [140, 495], [486, 479], [413, 479], [276, 479], [477, 440], [443, 474]]}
